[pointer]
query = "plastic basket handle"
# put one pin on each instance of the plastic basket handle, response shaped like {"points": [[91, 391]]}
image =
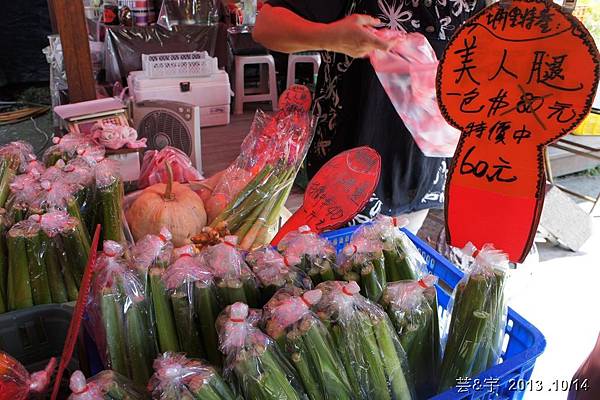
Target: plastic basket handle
{"points": [[75, 324]]}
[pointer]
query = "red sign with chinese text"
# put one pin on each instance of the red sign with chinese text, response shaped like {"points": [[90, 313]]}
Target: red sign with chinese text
{"points": [[338, 192], [513, 79]]}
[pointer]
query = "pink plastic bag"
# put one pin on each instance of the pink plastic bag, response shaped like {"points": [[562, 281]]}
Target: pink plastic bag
{"points": [[154, 167], [17, 384], [407, 73]]}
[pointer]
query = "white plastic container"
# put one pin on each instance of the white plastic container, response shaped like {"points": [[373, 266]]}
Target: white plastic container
{"points": [[212, 93], [172, 65]]}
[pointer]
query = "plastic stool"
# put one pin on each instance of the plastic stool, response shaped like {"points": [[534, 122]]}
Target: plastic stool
{"points": [[267, 90], [302, 58]]}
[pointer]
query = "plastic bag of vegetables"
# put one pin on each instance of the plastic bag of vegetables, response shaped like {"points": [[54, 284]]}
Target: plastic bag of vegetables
{"points": [[152, 251], [476, 329], [67, 148], [106, 385], [306, 342], [402, 259], [255, 361], [109, 194], [120, 318], [274, 272], [14, 158], [367, 342], [46, 259], [17, 384], [310, 252], [178, 377], [362, 261], [186, 307], [413, 309], [233, 278]]}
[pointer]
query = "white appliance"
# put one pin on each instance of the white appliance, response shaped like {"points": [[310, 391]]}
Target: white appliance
{"points": [[212, 93], [170, 123]]}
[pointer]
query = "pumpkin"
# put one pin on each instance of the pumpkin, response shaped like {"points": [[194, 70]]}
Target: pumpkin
{"points": [[173, 206]]}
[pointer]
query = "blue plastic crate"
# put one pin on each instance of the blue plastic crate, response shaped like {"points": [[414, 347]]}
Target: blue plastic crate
{"points": [[523, 342]]}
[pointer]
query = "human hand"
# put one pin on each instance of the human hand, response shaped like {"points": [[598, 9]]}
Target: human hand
{"points": [[354, 36]]}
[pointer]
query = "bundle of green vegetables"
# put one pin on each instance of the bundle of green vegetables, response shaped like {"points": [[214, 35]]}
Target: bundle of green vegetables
{"points": [[307, 343], [44, 254], [120, 316], [109, 195], [178, 377], [362, 261], [68, 147], [186, 306], [274, 272], [234, 280], [476, 331], [402, 259], [367, 343], [106, 385], [152, 251], [14, 159], [413, 309], [309, 252], [255, 361]]}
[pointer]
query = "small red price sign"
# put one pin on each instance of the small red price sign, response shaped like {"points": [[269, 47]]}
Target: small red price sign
{"points": [[75, 324], [513, 79], [340, 189]]}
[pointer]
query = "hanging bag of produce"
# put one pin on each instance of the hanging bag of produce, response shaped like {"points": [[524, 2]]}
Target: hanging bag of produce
{"points": [[254, 360], [306, 342], [310, 252], [178, 377], [17, 384], [362, 261], [120, 318], [235, 281], [106, 385], [375, 362], [274, 272], [478, 321], [413, 309]]}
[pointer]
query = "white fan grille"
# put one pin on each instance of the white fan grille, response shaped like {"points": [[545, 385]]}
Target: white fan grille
{"points": [[162, 128]]}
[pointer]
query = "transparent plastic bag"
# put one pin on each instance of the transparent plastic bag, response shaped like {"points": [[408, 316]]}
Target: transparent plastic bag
{"points": [[274, 273], [407, 73], [120, 316], [188, 12], [255, 361], [178, 377], [152, 251], [413, 309], [18, 154], [375, 362], [362, 261], [46, 259], [154, 168], [17, 384], [310, 252], [66, 148], [402, 259], [186, 306], [307, 343], [252, 191], [235, 281], [105, 385], [478, 317], [110, 194]]}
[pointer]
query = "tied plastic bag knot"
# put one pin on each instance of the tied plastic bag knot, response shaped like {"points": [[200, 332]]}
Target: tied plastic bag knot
{"points": [[17, 383], [350, 288], [186, 270], [271, 269], [55, 222], [153, 250], [287, 307], [81, 390], [236, 328], [40, 380]]}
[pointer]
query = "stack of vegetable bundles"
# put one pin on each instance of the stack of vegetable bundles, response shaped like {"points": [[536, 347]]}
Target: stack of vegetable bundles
{"points": [[254, 360], [249, 195], [106, 385], [307, 343], [368, 345], [476, 331], [310, 253], [178, 377], [413, 309], [186, 306], [46, 256], [273, 272], [379, 253], [234, 280], [120, 316]]}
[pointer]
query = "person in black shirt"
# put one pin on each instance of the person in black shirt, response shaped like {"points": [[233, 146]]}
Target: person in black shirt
{"points": [[351, 105]]}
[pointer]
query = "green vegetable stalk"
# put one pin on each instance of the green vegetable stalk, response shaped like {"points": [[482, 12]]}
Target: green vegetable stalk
{"points": [[307, 344], [255, 361], [163, 313], [478, 319], [370, 350], [111, 217], [362, 261]]}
